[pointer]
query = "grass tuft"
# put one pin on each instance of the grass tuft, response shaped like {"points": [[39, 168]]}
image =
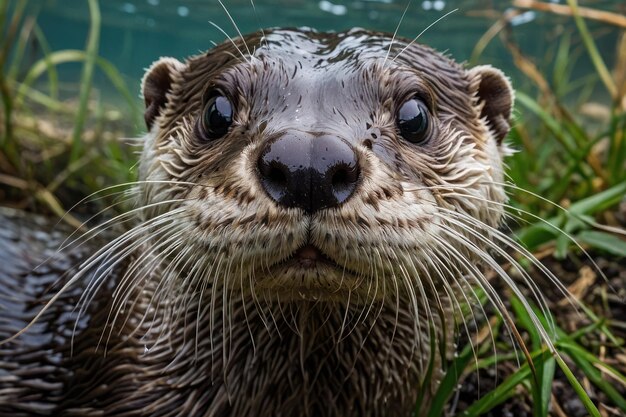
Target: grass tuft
{"points": [[54, 149]]}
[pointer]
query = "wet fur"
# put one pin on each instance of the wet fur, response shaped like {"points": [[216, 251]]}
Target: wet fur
{"points": [[190, 313]]}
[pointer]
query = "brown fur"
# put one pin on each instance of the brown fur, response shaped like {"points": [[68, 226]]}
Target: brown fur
{"points": [[194, 312]]}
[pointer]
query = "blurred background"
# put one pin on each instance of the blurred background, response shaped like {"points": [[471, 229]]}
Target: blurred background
{"points": [[133, 33]]}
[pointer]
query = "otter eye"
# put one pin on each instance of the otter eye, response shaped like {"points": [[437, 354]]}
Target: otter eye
{"points": [[217, 117], [413, 121]]}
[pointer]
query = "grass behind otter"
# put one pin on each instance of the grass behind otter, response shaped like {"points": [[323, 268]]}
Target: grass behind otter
{"points": [[571, 164], [56, 151], [569, 171], [569, 177]]}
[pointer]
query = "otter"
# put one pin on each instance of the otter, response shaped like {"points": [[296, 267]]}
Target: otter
{"points": [[311, 214]]}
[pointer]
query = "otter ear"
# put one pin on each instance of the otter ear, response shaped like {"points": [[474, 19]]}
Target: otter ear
{"points": [[156, 84], [495, 97]]}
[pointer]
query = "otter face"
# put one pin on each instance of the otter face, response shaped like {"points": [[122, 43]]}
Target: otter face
{"points": [[324, 167]]}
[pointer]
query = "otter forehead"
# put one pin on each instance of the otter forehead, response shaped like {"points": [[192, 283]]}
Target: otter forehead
{"points": [[348, 50], [318, 51], [344, 77]]}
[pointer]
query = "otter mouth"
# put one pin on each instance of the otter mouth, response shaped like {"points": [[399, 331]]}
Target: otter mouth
{"points": [[308, 274], [310, 257]]}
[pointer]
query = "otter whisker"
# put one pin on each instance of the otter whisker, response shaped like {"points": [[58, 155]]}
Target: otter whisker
{"points": [[190, 283], [362, 320], [256, 15], [244, 305], [243, 39], [480, 280], [510, 283], [134, 275], [544, 221], [264, 265], [583, 219], [395, 32], [83, 268], [215, 283], [517, 247], [511, 244], [420, 270], [443, 310], [523, 251], [364, 312], [493, 233], [414, 304], [127, 185], [414, 307], [119, 219], [422, 32], [370, 295], [216, 26], [106, 263], [227, 313], [202, 272], [453, 272], [171, 286], [345, 315], [147, 232], [431, 267], [202, 275]]}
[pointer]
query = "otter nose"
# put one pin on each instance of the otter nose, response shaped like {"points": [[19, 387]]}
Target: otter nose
{"points": [[308, 172]]}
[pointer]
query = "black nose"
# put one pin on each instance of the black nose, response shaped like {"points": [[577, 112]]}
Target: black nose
{"points": [[309, 172]]}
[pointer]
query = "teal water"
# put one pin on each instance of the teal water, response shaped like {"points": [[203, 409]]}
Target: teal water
{"points": [[134, 33]]}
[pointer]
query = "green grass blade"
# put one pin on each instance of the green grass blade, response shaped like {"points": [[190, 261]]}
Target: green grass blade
{"points": [[541, 383], [45, 100], [539, 233], [617, 146], [8, 37], [73, 55], [499, 394], [7, 142], [574, 349], [603, 241], [550, 122], [599, 202], [20, 47], [546, 370], [39, 67], [561, 65], [118, 82], [450, 382], [523, 320], [595, 376], [53, 76], [86, 78], [580, 391], [592, 50], [4, 5]]}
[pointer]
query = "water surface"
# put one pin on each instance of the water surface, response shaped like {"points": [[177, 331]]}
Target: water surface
{"points": [[134, 33]]}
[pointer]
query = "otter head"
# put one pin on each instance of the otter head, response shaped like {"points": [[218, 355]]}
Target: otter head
{"points": [[341, 189], [319, 166]]}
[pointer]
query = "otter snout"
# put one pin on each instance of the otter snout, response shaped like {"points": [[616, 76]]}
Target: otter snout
{"points": [[308, 171]]}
